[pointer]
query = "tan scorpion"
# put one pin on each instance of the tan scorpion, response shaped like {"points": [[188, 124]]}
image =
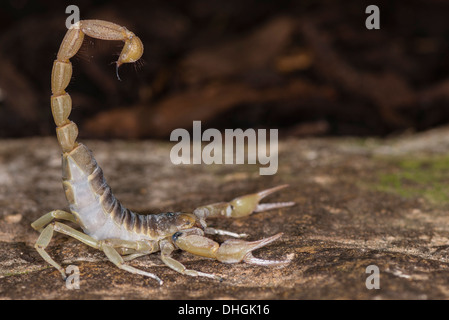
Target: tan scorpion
{"points": [[108, 226]]}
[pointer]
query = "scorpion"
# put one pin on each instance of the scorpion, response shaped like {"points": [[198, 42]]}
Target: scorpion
{"points": [[107, 225]]}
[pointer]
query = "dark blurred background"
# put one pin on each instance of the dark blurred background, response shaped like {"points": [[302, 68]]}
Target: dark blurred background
{"points": [[307, 68]]}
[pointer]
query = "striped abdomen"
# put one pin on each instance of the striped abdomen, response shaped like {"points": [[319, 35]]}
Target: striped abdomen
{"points": [[97, 210]]}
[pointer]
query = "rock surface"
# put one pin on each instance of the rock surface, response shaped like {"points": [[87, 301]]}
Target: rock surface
{"points": [[358, 203]]}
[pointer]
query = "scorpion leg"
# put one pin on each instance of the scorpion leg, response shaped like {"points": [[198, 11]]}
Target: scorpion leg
{"points": [[108, 246], [40, 223], [239, 207], [166, 250], [230, 251], [113, 247], [131, 249], [117, 259], [132, 256], [47, 234]]}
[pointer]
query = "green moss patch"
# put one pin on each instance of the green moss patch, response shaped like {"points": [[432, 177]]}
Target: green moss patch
{"points": [[417, 176]]}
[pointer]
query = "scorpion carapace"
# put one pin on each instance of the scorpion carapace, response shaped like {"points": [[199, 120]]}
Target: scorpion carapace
{"points": [[108, 226]]}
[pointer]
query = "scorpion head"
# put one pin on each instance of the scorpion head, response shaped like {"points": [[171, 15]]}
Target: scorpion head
{"points": [[181, 221]]}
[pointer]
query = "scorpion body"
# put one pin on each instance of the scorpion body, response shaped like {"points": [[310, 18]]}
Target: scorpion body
{"points": [[108, 226]]}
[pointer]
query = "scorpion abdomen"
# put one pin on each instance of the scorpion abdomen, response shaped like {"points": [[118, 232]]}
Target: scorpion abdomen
{"points": [[98, 211]]}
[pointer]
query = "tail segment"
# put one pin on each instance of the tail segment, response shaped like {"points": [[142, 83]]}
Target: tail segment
{"points": [[61, 103]]}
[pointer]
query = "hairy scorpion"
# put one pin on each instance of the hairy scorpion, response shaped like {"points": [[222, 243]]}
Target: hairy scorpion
{"points": [[108, 226]]}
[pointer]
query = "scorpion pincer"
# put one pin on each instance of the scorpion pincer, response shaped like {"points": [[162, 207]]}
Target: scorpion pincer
{"points": [[108, 226]]}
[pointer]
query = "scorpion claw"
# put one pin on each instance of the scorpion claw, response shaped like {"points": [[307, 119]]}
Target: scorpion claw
{"points": [[232, 251], [264, 193], [270, 206], [245, 205], [250, 259], [208, 275], [241, 206]]}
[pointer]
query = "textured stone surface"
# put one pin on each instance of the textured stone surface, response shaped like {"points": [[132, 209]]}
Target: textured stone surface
{"points": [[354, 209]]}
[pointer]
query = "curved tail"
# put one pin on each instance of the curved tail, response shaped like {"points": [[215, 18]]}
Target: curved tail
{"points": [[61, 103]]}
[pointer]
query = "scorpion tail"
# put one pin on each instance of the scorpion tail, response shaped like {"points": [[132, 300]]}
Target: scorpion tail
{"points": [[61, 103]]}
